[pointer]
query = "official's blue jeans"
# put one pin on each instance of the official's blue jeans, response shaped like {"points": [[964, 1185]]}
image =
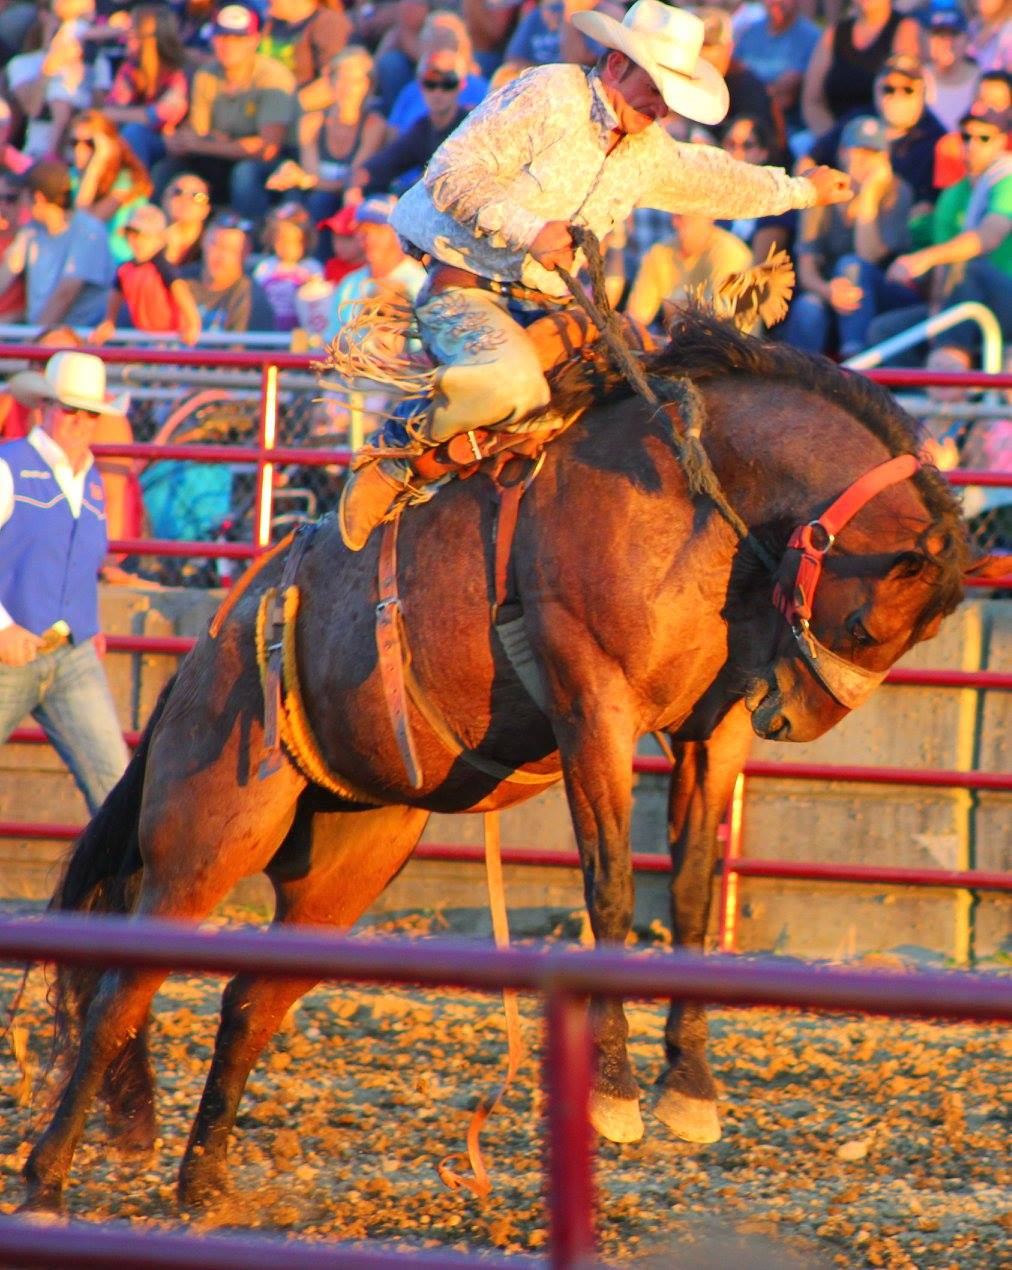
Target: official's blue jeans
{"points": [[67, 693]]}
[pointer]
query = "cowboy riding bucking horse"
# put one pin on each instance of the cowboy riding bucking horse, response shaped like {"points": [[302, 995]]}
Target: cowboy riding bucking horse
{"points": [[561, 146]]}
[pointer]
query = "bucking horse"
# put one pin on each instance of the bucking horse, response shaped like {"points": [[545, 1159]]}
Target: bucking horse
{"points": [[639, 607]]}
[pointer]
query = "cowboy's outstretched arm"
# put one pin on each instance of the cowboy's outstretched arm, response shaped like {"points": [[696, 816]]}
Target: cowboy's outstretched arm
{"points": [[471, 174], [707, 181]]}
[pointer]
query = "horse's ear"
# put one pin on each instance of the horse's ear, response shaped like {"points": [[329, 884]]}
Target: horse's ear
{"points": [[990, 569]]}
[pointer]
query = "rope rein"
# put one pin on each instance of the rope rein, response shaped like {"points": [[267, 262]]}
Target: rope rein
{"points": [[656, 390]]}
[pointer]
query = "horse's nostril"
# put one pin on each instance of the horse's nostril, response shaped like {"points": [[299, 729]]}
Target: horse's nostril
{"points": [[755, 694]]}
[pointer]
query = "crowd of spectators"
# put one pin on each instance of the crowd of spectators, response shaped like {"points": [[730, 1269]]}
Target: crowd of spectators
{"points": [[187, 167], [184, 167]]}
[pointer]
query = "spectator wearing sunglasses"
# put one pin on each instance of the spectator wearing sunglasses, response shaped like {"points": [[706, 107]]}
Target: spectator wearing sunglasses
{"points": [[913, 131], [187, 205], [442, 30], [62, 254], [398, 164], [241, 108], [994, 92], [52, 545], [972, 228]]}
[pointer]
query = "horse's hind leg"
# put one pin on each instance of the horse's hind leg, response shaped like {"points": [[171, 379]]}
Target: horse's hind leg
{"points": [[188, 869], [330, 868], [701, 786]]}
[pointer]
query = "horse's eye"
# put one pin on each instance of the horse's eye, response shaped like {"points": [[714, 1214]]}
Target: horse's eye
{"points": [[860, 634]]}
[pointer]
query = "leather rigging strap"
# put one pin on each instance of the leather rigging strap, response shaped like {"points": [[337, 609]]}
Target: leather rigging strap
{"points": [[270, 762], [394, 658]]}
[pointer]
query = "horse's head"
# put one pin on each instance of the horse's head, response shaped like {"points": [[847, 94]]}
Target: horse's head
{"points": [[853, 605]]}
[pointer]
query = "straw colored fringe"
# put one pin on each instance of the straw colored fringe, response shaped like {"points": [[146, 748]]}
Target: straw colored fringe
{"points": [[371, 348], [296, 732]]}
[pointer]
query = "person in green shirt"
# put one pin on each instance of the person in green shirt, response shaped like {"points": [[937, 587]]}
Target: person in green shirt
{"points": [[971, 227]]}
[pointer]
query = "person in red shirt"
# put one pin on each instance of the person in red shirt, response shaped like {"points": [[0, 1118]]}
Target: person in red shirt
{"points": [[157, 298]]}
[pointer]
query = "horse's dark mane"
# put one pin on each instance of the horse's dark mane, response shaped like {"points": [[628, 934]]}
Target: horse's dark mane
{"points": [[703, 346]]}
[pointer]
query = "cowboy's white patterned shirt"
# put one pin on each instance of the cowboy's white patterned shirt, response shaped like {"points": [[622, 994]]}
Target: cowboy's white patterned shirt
{"points": [[537, 150]]}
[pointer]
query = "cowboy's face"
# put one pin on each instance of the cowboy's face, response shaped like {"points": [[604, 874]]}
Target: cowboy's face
{"points": [[634, 96], [72, 430]]}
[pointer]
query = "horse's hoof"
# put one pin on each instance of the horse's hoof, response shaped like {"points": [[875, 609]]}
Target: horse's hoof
{"points": [[203, 1190], [691, 1119], [42, 1216], [617, 1119], [43, 1202], [133, 1140]]}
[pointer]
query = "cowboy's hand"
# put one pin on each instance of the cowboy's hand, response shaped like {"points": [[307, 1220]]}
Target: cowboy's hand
{"points": [[553, 245], [17, 646], [831, 186]]}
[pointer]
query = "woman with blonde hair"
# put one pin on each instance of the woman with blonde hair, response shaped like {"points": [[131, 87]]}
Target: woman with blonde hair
{"points": [[333, 142], [107, 177], [150, 94]]}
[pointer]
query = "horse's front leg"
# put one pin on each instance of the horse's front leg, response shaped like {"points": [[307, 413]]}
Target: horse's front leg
{"points": [[597, 752], [701, 786]]}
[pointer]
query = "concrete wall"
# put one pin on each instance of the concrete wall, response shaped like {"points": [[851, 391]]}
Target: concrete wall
{"points": [[901, 727]]}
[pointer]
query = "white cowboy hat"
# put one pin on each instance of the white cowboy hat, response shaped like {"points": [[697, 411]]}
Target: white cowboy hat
{"points": [[75, 380], [666, 42]]}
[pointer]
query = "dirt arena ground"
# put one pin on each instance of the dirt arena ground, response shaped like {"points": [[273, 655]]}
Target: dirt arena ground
{"points": [[847, 1141]]}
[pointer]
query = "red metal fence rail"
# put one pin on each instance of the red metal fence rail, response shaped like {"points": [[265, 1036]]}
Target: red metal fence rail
{"points": [[563, 978]]}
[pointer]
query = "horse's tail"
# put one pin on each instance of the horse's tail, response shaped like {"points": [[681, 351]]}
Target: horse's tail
{"points": [[101, 875]]}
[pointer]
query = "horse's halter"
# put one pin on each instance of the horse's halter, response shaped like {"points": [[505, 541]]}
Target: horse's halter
{"points": [[847, 683]]}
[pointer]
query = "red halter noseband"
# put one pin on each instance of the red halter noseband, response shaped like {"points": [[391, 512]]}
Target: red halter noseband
{"points": [[848, 683]]}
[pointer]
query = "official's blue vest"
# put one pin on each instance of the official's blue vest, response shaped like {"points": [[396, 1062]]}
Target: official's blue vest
{"points": [[49, 561]]}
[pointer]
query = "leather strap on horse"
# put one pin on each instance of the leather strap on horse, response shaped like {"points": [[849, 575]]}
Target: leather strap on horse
{"points": [[400, 683], [479, 1183], [815, 539], [272, 759], [393, 656]]}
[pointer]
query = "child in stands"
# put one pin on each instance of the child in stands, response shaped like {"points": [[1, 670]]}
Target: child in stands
{"points": [[289, 238], [157, 298]]}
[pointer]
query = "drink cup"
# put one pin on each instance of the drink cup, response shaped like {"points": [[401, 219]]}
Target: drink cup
{"points": [[313, 302]]}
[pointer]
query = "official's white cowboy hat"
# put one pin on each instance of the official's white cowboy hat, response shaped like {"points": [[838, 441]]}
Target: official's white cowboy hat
{"points": [[666, 42], [75, 380]]}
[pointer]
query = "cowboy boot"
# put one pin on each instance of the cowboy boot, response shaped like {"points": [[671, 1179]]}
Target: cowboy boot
{"points": [[368, 496]]}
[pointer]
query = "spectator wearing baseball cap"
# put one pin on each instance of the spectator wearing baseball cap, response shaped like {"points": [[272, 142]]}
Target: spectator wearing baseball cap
{"points": [[387, 266], [157, 298], [843, 255], [240, 109], [972, 228], [900, 96], [952, 76], [62, 254], [346, 250]]}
